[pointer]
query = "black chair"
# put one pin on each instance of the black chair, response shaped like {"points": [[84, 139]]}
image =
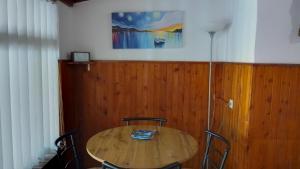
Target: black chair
{"points": [[175, 165], [216, 151], [67, 152], [161, 121], [107, 165]]}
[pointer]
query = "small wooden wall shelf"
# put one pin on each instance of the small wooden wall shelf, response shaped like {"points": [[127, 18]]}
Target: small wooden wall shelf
{"points": [[88, 64]]}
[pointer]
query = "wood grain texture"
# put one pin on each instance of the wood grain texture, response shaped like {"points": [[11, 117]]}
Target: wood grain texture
{"points": [[233, 81], [274, 137], [97, 100], [167, 146], [263, 125]]}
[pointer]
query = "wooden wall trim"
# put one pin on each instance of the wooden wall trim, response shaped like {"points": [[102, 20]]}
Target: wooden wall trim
{"points": [[215, 63], [136, 61], [71, 2], [68, 2]]}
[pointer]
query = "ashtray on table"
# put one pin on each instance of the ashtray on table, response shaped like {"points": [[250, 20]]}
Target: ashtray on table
{"points": [[143, 134]]}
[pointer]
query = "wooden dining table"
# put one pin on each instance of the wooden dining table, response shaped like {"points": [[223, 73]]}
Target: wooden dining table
{"points": [[166, 147]]}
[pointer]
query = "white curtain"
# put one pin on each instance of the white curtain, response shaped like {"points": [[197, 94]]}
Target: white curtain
{"points": [[29, 113]]}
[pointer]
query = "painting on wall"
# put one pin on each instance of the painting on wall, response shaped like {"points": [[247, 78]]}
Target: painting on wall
{"points": [[147, 30]]}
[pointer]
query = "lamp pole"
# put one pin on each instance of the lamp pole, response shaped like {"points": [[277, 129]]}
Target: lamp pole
{"points": [[212, 34]]}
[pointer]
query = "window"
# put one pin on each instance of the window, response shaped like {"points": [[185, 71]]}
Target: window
{"points": [[29, 113]]}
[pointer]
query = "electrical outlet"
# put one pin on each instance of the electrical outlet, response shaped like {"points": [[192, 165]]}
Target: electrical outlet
{"points": [[230, 103]]}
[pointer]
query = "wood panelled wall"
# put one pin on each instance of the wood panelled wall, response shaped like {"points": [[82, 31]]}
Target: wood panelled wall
{"points": [[96, 100], [263, 127], [274, 135], [233, 81]]}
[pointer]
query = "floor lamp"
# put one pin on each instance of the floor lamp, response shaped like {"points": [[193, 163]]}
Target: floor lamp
{"points": [[212, 28]]}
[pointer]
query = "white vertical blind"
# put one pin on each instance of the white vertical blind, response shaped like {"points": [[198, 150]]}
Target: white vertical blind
{"points": [[29, 113]]}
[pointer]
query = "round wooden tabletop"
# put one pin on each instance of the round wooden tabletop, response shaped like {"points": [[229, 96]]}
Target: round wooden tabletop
{"points": [[117, 147]]}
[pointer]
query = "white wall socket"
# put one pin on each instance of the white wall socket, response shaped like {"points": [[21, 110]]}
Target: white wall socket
{"points": [[230, 103]]}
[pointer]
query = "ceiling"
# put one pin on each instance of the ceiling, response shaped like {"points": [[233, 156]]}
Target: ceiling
{"points": [[71, 2]]}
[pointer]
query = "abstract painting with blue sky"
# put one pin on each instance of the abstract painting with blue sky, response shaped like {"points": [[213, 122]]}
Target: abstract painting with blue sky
{"points": [[146, 30]]}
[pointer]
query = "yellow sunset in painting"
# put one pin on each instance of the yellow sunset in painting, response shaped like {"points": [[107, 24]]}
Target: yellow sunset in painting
{"points": [[172, 28]]}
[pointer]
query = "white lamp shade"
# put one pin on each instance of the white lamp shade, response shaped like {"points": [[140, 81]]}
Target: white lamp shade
{"points": [[215, 26]]}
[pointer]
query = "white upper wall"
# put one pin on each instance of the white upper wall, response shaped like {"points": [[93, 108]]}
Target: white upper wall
{"points": [[65, 29], [92, 25], [237, 44], [277, 29], [87, 27], [263, 31]]}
